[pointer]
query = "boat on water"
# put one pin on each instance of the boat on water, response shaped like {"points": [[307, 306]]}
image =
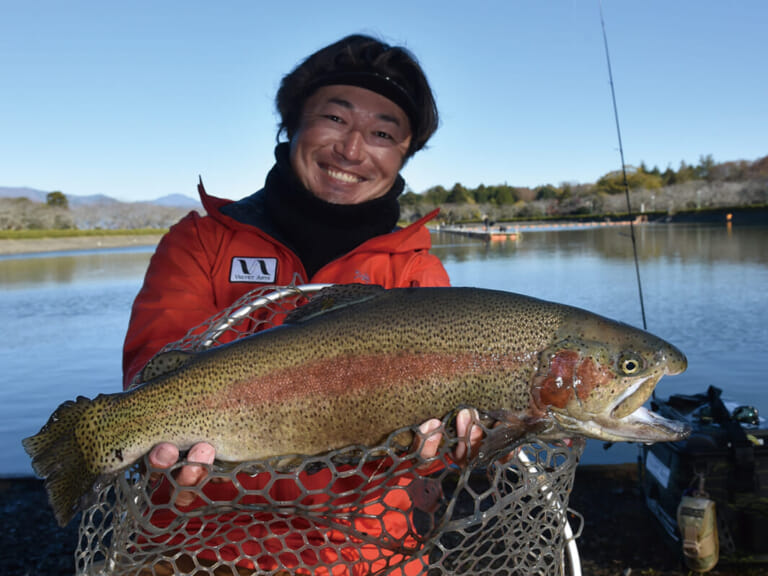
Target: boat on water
{"points": [[717, 476]]}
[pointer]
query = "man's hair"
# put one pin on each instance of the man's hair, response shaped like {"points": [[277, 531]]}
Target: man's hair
{"points": [[363, 61]]}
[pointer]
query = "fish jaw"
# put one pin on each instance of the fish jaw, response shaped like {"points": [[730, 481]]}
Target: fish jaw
{"points": [[642, 425]]}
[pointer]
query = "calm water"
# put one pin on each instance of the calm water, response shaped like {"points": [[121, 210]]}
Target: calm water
{"points": [[64, 316]]}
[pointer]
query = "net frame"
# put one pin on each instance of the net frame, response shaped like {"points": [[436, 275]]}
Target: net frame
{"points": [[503, 513]]}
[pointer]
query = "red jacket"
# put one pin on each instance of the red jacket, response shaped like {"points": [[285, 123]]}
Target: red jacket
{"points": [[205, 263]]}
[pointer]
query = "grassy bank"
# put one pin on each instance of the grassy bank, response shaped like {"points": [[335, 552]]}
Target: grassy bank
{"points": [[43, 241], [50, 233]]}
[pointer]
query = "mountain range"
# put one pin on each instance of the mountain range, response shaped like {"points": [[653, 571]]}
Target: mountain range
{"points": [[175, 200]]}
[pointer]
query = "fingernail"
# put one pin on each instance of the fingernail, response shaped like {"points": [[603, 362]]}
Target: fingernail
{"points": [[165, 455]]}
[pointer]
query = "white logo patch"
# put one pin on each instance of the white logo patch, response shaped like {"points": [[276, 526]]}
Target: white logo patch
{"points": [[253, 269]]}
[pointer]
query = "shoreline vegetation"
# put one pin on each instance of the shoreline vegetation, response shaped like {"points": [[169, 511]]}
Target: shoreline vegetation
{"points": [[44, 241]]}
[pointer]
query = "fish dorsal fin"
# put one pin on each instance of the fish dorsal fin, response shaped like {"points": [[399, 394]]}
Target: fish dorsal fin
{"points": [[165, 362], [333, 298]]}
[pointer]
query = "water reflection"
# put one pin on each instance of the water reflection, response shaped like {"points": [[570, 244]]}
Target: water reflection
{"points": [[71, 267]]}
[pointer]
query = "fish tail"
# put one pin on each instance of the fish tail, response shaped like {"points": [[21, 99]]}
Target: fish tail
{"points": [[58, 458]]}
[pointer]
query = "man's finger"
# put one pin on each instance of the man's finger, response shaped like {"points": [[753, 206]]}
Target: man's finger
{"points": [[164, 455], [429, 439], [190, 474], [467, 432]]}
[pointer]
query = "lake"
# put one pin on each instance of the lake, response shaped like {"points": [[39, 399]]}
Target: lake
{"points": [[65, 314]]}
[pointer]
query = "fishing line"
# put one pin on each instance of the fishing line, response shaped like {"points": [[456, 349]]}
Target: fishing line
{"points": [[623, 169]]}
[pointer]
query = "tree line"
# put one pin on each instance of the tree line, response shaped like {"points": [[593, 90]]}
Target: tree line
{"points": [[640, 177], [669, 190]]}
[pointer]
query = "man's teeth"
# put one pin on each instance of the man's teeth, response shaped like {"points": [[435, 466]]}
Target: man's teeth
{"points": [[343, 176]]}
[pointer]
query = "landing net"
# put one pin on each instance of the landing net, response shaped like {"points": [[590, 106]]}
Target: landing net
{"points": [[356, 510]]}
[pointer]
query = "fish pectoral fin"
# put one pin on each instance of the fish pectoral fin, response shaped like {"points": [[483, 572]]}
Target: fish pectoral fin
{"points": [[333, 298], [507, 435]]}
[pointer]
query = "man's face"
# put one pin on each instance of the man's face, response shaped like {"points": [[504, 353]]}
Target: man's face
{"points": [[350, 144]]}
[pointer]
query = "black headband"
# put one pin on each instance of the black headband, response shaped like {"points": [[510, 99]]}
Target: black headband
{"points": [[375, 82]]}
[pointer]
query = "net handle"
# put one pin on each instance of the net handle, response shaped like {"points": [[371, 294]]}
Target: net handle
{"points": [[225, 323]]}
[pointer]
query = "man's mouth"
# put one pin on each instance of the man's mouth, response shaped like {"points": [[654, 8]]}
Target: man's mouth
{"points": [[343, 176]]}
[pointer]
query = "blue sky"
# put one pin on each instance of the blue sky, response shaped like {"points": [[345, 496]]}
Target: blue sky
{"points": [[136, 99]]}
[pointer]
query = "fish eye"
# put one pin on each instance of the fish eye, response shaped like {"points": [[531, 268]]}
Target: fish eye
{"points": [[630, 364]]}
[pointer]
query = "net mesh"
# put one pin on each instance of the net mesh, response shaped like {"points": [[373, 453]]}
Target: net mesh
{"points": [[388, 509]]}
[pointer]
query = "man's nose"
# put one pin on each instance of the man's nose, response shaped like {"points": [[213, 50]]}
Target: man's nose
{"points": [[350, 145]]}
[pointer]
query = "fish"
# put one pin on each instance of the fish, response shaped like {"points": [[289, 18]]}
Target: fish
{"points": [[358, 362]]}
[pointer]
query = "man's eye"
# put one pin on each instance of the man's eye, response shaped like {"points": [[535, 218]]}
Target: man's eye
{"points": [[333, 118], [382, 134]]}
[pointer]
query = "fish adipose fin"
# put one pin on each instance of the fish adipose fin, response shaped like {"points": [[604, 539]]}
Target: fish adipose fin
{"points": [[57, 457], [333, 298]]}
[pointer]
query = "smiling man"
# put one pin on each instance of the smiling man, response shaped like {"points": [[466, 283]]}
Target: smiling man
{"points": [[353, 113]]}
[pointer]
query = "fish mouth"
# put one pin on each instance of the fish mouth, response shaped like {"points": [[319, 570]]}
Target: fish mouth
{"points": [[642, 425], [645, 426], [674, 362], [630, 421], [634, 397]]}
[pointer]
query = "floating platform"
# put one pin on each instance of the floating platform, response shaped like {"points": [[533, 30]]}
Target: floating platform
{"points": [[501, 232], [497, 234]]}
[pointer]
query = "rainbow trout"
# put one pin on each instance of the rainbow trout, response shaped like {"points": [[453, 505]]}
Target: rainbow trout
{"points": [[359, 362]]}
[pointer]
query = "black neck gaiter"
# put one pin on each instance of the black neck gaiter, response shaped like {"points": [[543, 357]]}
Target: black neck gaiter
{"points": [[319, 231]]}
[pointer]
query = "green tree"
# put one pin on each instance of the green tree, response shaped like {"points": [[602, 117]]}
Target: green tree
{"points": [[57, 199], [685, 172], [436, 195], [481, 194], [410, 198], [705, 168], [669, 177], [458, 195], [547, 192], [503, 195], [613, 182]]}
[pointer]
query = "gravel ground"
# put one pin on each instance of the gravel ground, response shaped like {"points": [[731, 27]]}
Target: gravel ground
{"points": [[620, 537]]}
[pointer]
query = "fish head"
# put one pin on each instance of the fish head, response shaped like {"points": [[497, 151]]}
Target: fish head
{"points": [[595, 378]]}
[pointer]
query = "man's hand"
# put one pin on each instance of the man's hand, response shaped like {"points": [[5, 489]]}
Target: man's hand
{"points": [[165, 455], [428, 441]]}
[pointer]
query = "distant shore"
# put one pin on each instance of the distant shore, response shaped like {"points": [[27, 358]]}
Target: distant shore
{"points": [[36, 245]]}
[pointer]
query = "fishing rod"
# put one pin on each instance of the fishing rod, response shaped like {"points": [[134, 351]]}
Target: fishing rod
{"points": [[623, 170]]}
